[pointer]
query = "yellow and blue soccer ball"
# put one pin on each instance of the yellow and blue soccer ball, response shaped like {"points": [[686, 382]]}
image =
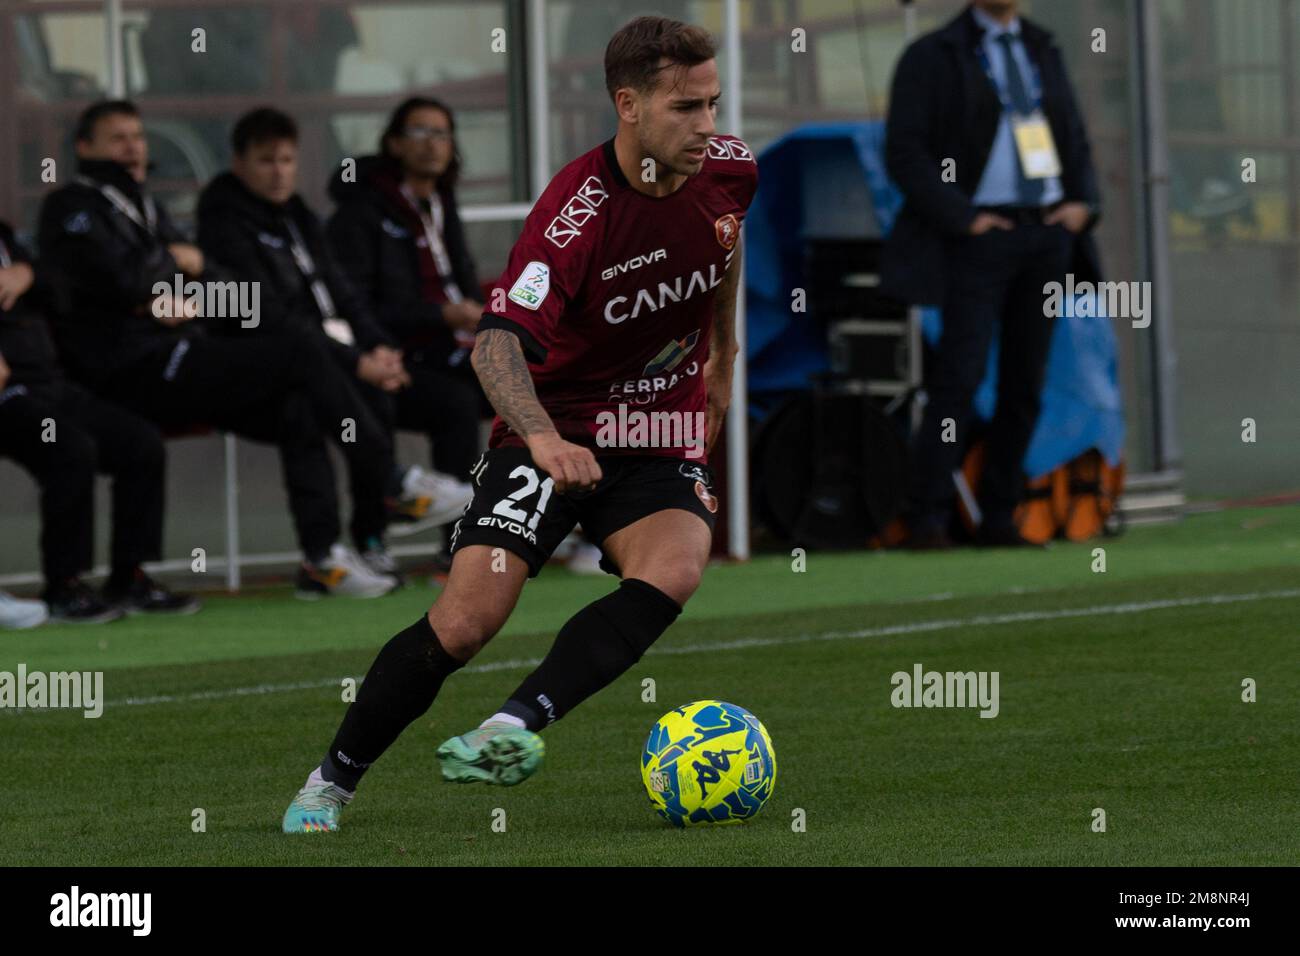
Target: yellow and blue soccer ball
{"points": [[708, 762]]}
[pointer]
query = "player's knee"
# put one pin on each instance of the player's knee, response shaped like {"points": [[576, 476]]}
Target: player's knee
{"points": [[463, 631], [677, 579]]}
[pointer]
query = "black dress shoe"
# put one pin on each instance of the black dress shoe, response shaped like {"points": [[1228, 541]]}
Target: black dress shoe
{"points": [[77, 603], [144, 595]]}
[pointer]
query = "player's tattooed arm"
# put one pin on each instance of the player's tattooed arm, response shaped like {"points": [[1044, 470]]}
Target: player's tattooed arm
{"points": [[498, 359]]}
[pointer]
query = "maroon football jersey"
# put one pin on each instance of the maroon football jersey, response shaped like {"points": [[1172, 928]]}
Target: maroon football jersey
{"points": [[611, 293]]}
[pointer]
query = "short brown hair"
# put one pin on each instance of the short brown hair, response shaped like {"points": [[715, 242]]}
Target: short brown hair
{"points": [[263, 125], [92, 114], [635, 51]]}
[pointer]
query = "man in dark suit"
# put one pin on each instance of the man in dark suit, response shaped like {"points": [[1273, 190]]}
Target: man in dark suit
{"points": [[986, 142]]}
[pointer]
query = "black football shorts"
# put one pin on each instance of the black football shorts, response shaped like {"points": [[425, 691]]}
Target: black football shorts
{"points": [[515, 506]]}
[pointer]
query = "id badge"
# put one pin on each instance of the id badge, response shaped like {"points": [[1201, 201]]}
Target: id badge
{"points": [[1034, 143], [339, 331]]}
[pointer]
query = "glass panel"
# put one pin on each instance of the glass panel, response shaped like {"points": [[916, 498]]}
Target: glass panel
{"points": [[50, 64], [338, 67], [1105, 85], [1232, 76], [837, 68], [577, 32]]}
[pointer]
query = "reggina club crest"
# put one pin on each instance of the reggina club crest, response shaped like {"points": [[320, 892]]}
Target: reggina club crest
{"points": [[727, 229]]}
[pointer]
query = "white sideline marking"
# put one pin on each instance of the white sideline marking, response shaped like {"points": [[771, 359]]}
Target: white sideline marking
{"points": [[918, 627]]}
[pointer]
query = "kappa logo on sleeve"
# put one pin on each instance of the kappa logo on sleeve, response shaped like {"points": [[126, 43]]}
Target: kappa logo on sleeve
{"points": [[532, 285], [580, 207]]}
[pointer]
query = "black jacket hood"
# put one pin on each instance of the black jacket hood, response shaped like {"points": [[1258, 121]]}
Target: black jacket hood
{"points": [[111, 173], [226, 190]]}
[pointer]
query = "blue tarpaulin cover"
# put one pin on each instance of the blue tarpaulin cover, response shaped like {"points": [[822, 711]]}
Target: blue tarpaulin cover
{"points": [[829, 179]]}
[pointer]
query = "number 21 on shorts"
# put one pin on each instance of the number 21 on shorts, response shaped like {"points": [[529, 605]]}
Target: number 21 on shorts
{"points": [[505, 508]]}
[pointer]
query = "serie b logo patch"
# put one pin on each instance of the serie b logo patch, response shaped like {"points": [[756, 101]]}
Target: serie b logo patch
{"points": [[727, 230], [532, 285]]}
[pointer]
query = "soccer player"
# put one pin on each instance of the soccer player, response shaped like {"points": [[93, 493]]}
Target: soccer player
{"points": [[621, 301]]}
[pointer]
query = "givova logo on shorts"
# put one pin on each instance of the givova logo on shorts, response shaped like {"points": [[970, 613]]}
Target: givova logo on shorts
{"points": [[506, 514], [580, 207]]}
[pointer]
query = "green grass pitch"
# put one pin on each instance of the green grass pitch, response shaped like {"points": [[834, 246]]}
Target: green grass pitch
{"points": [[1119, 690]]}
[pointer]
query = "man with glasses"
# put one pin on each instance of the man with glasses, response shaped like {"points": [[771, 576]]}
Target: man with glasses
{"points": [[398, 235]]}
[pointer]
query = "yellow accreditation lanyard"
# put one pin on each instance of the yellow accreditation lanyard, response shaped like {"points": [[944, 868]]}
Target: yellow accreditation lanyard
{"points": [[1033, 135]]}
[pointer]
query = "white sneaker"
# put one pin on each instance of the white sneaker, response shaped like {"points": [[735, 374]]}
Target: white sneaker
{"points": [[571, 542], [342, 573], [429, 499], [18, 614], [380, 560], [585, 559]]}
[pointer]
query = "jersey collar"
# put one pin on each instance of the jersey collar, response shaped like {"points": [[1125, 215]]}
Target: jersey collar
{"points": [[611, 160], [620, 180]]}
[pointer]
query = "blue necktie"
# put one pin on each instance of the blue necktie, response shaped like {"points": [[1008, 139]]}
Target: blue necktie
{"points": [[1030, 190]]}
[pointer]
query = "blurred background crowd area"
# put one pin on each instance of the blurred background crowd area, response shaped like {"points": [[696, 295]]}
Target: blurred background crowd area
{"points": [[1227, 72]]}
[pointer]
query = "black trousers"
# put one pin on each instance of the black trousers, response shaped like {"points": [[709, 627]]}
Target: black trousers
{"points": [[446, 403], [995, 279], [359, 418], [89, 435], [283, 389]]}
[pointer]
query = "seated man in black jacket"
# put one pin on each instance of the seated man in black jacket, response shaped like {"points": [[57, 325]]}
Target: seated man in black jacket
{"points": [[62, 435], [252, 221], [121, 331], [397, 232]]}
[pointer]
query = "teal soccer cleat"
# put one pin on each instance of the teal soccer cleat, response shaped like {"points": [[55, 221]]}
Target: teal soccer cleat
{"points": [[497, 754], [316, 808]]}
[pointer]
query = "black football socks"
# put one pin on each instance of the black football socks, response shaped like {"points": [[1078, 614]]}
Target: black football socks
{"points": [[399, 688], [593, 649]]}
